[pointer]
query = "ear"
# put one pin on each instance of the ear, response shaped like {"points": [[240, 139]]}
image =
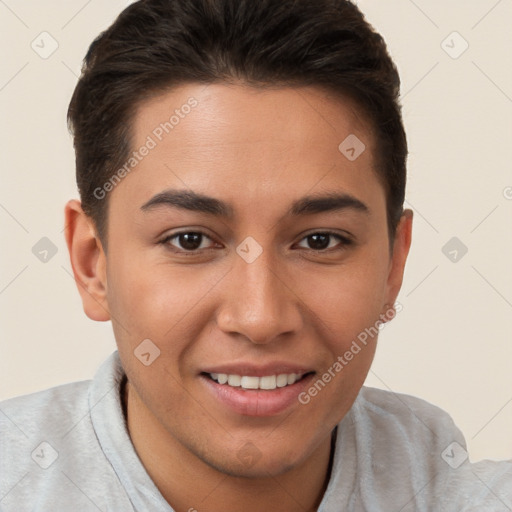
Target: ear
{"points": [[401, 248], [88, 261]]}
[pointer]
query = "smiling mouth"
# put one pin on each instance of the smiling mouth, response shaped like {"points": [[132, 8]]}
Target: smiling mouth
{"points": [[266, 382]]}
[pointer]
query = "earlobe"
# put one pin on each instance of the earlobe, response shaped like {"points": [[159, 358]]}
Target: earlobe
{"points": [[401, 247], [88, 261]]}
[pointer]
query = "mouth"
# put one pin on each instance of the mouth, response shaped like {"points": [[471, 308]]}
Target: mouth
{"points": [[251, 395], [266, 382]]}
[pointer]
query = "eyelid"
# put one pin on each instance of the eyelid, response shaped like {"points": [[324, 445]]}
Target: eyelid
{"points": [[166, 239], [344, 235], [344, 239]]}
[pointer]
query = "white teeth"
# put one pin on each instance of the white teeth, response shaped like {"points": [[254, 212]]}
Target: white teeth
{"points": [[282, 380], [234, 380], [249, 382], [292, 377], [268, 382]]}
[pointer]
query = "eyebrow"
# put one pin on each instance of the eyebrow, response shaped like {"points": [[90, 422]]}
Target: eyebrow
{"points": [[308, 205]]}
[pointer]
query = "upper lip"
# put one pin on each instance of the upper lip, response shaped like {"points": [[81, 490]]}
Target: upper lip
{"points": [[252, 370]]}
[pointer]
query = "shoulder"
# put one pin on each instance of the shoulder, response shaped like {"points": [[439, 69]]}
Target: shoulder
{"points": [[28, 413], [59, 391], [37, 431], [404, 410], [58, 409], [404, 431], [410, 439], [50, 452]]}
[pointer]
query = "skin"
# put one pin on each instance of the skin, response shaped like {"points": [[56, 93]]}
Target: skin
{"points": [[258, 150]]}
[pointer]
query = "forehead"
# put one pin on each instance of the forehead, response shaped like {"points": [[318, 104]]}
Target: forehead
{"points": [[238, 140], [243, 114]]}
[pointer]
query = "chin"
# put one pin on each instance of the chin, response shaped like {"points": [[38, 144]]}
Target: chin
{"points": [[251, 463]]}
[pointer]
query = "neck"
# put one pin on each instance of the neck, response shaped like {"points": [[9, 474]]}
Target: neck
{"points": [[188, 483]]}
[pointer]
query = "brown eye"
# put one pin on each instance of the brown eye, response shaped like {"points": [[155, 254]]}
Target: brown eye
{"points": [[186, 241], [323, 240]]}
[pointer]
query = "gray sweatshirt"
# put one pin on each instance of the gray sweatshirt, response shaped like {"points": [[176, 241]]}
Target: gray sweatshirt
{"points": [[67, 448]]}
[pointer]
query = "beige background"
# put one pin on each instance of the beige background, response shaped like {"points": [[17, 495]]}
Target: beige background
{"points": [[451, 344]]}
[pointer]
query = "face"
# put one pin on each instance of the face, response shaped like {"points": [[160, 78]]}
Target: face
{"points": [[245, 245]]}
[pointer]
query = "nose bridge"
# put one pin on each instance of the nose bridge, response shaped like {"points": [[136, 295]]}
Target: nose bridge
{"points": [[260, 306]]}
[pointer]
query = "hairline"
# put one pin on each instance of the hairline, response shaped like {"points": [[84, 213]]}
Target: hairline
{"points": [[359, 111]]}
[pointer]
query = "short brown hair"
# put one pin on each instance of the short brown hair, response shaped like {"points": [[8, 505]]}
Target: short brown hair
{"points": [[156, 44]]}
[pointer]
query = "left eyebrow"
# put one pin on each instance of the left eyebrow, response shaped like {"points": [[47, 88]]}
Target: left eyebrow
{"points": [[327, 202]]}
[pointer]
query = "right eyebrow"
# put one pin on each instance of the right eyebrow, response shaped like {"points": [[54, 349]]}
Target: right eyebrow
{"points": [[189, 200]]}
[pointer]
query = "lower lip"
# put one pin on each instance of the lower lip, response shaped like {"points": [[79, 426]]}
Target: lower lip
{"points": [[257, 402]]}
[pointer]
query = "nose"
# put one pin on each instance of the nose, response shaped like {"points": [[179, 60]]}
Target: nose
{"points": [[259, 302]]}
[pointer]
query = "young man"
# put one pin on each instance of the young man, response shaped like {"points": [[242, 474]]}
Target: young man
{"points": [[242, 169]]}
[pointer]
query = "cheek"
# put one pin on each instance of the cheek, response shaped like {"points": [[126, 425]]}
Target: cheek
{"points": [[350, 298], [349, 309], [349, 315], [149, 302], [163, 304], [150, 299]]}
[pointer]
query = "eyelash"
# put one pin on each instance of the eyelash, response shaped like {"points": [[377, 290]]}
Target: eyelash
{"points": [[345, 241]]}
